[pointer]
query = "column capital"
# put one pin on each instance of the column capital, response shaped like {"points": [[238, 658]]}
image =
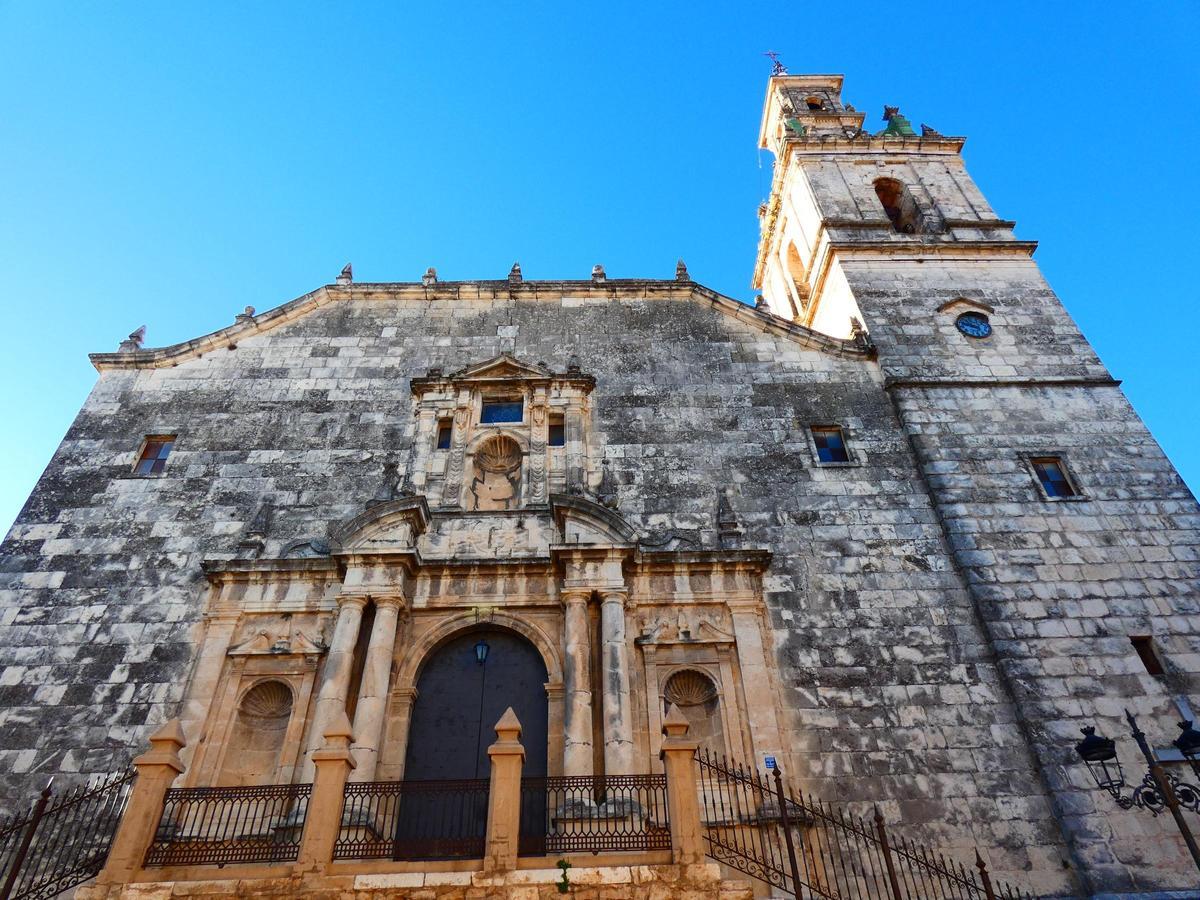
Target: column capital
{"points": [[352, 601], [575, 595], [391, 601], [614, 595]]}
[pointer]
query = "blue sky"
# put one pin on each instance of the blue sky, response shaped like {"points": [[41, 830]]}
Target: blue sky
{"points": [[168, 164]]}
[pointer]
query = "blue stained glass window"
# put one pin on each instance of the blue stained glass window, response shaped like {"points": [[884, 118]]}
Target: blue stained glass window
{"points": [[831, 445], [498, 411], [1053, 476]]}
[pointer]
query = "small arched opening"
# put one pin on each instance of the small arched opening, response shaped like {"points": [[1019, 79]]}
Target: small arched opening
{"points": [[899, 205]]}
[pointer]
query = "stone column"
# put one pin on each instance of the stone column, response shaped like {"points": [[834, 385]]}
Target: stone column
{"points": [[373, 692], [614, 655], [156, 769], [577, 684], [331, 698], [504, 795]]}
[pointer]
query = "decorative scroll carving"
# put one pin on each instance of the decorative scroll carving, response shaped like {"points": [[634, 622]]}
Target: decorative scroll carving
{"points": [[537, 451], [454, 470]]}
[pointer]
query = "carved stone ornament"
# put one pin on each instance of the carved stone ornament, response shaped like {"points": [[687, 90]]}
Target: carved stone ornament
{"points": [[690, 688], [497, 478]]}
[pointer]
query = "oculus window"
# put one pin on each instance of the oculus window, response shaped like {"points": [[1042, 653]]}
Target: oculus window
{"points": [[830, 443], [1052, 475], [154, 454], [497, 412]]}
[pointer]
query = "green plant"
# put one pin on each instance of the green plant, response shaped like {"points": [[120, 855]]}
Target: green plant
{"points": [[563, 886]]}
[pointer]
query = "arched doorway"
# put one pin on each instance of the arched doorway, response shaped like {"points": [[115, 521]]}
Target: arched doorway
{"points": [[464, 687], [463, 690]]}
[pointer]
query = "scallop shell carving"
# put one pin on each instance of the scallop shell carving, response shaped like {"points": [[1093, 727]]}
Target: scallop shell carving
{"points": [[690, 688], [269, 700], [501, 454]]}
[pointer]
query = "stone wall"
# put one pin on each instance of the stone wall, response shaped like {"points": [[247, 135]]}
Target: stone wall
{"points": [[890, 682]]}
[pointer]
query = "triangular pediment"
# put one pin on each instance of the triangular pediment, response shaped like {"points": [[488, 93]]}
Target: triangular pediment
{"points": [[502, 367]]}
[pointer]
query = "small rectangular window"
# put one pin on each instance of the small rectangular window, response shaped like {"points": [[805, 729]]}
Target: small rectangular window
{"points": [[1053, 476], [1144, 645], [831, 444], [445, 430], [497, 411], [558, 432], [154, 454]]}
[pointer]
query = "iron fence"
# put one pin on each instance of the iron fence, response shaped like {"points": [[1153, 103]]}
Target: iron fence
{"points": [[585, 813], [222, 825], [60, 842], [808, 848], [413, 820]]}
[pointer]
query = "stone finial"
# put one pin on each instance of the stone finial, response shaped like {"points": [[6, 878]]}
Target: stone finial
{"points": [[760, 302], [133, 343], [930, 131], [347, 275], [245, 315], [860, 336], [681, 272], [338, 733], [729, 528], [514, 274], [573, 367], [169, 738], [606, 491], [675, 724], [598, 275], [430, 276], [509, 726]]}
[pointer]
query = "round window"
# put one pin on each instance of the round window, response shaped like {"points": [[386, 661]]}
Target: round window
{"points": [[973, 324]]}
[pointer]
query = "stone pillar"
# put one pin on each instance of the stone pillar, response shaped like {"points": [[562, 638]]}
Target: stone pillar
{"points": [[614, 655], [370, 712], [333, 764], [335, 682], [679, 759], [577, 684], [156, 770], [754, 663], [504, 795]]}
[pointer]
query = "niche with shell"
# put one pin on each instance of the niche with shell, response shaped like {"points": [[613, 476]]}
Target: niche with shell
{"points": [[496, 480], [259, 728], [694, 694]]}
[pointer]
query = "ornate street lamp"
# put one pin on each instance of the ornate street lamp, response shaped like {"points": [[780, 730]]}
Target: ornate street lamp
{"points": [[481, 651], [1188, 743], [1159, 789]]}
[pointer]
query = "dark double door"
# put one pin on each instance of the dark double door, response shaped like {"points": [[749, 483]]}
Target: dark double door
{"points": [[443, 804]]}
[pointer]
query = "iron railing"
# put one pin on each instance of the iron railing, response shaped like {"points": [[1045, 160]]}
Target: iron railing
{"points": [[222, 825], [59, 843], [413, 820], [584, 813], [808, 848]]}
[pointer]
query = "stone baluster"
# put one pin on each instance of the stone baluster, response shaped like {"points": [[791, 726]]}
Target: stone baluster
{"points": [[614, 655], [335, 682], [577, 684], [369, 713]]}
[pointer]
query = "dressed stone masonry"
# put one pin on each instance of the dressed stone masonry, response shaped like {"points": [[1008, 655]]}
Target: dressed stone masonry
{"points": [[917, 627]]}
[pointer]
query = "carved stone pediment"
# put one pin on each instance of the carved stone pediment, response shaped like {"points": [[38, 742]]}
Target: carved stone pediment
{"points": [[274, 635], [394, 525], [582, 521], [684, 625]]}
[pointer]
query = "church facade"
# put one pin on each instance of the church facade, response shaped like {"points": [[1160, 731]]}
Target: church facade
{"points": [[894, 529]]}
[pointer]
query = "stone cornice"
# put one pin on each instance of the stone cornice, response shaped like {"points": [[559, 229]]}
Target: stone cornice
{"points": [[612, 289], [892, 382]]}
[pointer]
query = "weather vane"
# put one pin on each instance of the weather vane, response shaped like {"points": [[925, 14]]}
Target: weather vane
{"points": [[777, 68]]}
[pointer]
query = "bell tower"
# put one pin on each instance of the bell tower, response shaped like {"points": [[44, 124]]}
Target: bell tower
{"points": [[843, 193]]}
